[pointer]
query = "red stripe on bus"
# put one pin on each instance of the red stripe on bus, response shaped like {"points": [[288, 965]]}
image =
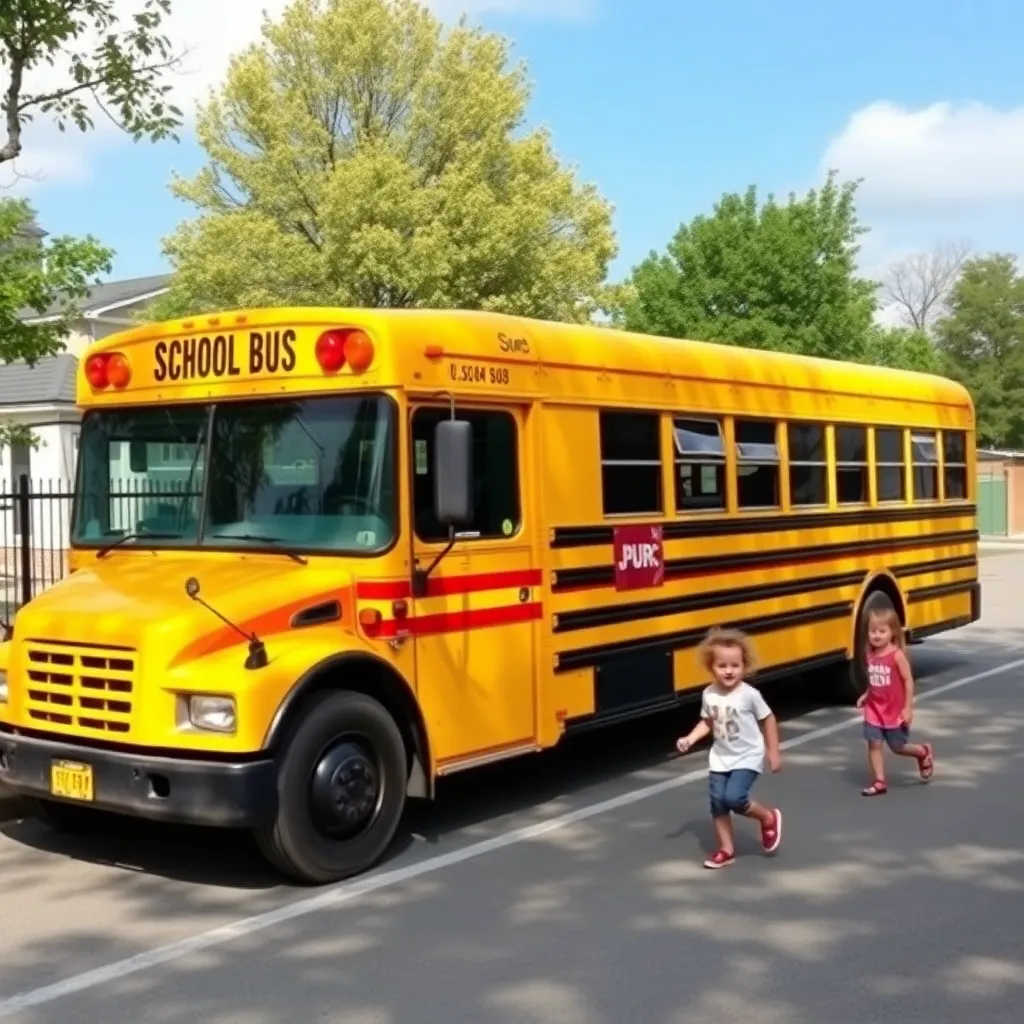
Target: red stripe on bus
{"points": [[268, 623], [456, 622], [440, 586]]}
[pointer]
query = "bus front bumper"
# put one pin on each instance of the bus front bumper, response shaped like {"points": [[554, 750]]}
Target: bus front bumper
{"points": [[180, 790]]}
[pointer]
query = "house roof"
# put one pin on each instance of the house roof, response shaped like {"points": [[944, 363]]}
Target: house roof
{"points": [[50, 382], [110, 296]]}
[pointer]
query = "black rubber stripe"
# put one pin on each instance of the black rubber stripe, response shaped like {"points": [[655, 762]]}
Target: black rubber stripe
{"points": [[942, 590], [590, 618], [584, 657], [939, 565], [604, 575], [588, 536]]}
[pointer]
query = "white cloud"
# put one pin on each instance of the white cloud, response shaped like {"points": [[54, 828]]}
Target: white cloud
{"points": [[211, 31], [968, 155]]}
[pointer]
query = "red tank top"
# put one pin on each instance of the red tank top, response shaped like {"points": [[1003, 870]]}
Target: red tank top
{"points": [[887, 691]]}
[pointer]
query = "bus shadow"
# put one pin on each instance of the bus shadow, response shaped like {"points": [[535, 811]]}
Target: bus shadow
{"points": [[229, 859]]}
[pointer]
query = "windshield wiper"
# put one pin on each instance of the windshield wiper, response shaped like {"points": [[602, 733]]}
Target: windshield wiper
{"points": [[139, 535], [257, 538]]}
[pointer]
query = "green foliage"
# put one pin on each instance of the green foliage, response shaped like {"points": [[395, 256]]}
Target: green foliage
{"points": [[981, 340], [360, 156], [36, 278], [902, 348], [768, 276], [122, 71]]}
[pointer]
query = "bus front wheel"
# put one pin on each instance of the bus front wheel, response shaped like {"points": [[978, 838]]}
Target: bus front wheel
{"points": [[341, 786]]}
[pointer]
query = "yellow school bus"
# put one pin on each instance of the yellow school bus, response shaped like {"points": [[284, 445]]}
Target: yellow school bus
{"points": [[323, 557]]}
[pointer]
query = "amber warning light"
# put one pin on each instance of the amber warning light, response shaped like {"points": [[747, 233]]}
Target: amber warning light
{"points": [[338, 347], [108, 369]]}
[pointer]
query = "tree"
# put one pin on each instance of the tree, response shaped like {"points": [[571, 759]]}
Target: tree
{"points": [[982, 342], [766, 276], [121, 73], [360, 156], [902, 348], [919, 284]]}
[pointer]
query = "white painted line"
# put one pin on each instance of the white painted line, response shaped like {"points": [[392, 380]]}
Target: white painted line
{"points": [[345, 892]]}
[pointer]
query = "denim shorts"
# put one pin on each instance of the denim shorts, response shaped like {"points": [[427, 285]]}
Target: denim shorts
{"points": [[730, 791], [896, 738]]}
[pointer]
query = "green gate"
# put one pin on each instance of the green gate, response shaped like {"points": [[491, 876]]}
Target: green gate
{"points": [[992, 506]]}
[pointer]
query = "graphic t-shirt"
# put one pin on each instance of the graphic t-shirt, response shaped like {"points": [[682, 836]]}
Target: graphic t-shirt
{"points": [[887, 691], [734, 716]]}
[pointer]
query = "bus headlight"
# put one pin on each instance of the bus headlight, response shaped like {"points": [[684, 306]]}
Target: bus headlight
{"points": [[4, 688], [213, 714]]}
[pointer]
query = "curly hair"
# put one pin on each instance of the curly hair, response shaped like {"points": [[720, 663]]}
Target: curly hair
{"points": [[717, 637]]}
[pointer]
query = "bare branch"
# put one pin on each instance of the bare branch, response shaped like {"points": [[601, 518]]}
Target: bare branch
{"points": [[93, 84], [919, 285]]}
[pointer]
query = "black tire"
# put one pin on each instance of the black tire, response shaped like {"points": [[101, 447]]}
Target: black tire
{"points": [[67, 818], [853, 679], [341, 740]]}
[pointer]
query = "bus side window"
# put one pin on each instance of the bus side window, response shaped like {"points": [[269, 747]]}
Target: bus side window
{"points": [[496, 508], [852, 465], [808, 464], [954, 445], [700, 464], [630, 463], [757, 464], [889, 465], [925, 455]]}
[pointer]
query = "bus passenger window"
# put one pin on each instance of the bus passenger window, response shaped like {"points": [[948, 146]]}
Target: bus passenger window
{"points": [[700, 465], [889, 465], [495, 475], [925, 455], [954, 451], [852, 465], [808, 464], [757, 464], [631, 463]]}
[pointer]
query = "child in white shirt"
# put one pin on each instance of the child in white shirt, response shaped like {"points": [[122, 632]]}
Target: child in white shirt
{"points": [[744, 730]]}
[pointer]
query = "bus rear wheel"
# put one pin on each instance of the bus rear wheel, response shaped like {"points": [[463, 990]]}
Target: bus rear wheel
{"points": [[853, 681], [341, 786]]}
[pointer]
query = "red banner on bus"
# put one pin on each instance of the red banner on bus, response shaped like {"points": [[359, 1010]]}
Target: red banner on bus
{"points": [[639, 557]]}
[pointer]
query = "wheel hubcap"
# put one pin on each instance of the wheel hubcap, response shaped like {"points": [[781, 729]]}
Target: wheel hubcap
{"points": [[346, 790]]}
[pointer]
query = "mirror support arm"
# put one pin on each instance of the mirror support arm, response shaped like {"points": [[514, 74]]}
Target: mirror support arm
{"points": [[420, 577]]}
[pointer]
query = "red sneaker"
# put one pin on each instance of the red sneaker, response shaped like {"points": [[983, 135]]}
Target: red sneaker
{"points": [[722, 859], [771, 835]]}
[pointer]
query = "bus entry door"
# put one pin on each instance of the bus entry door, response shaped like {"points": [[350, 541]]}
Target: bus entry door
{"points": [[476, 628]]}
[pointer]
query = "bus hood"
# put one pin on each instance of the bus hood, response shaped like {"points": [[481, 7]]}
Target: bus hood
{"points": [[135, 602]]}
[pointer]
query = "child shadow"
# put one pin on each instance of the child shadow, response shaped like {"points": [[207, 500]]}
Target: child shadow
{"points": [[744, 831]]}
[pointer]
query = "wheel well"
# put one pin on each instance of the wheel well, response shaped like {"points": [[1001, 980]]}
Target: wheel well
{"points": [[363, 673], [887, 585]]}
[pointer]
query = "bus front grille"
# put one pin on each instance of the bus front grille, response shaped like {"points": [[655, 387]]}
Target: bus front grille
{"points": [[75, 686]]}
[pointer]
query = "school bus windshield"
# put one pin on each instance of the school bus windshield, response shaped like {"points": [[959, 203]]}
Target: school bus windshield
{"points": [[313, 474]]}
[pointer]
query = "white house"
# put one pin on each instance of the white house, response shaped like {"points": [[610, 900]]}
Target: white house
{"points": [[42, 397]]}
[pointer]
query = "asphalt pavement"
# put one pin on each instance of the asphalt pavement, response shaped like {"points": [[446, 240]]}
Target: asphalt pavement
{"points": [[569, 888]]}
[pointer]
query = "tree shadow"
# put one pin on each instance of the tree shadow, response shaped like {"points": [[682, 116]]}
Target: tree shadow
{"points": [[902, 908], [537, 787]]}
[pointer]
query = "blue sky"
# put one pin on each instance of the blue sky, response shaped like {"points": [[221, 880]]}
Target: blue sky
{"points": [[665, 104]]}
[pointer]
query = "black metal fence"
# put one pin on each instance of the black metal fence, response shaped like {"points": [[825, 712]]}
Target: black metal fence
{"points": [[35, 522]]}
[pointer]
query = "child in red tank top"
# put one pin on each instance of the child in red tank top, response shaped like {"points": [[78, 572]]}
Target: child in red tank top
{"points": [[889, 701]]}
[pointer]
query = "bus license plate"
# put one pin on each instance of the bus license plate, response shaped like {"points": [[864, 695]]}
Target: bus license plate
{"points": [[71, 780]]}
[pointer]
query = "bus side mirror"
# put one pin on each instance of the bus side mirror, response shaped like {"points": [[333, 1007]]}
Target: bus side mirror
{"points": [[453, 473]]}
